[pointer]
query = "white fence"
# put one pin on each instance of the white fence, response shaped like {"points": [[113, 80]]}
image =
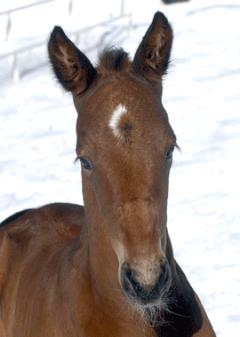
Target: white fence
{"points": [[9, 12], [12, 61]]}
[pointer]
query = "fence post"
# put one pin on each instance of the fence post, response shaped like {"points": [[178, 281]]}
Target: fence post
{"points": [[15, 69], [70, 7], [8, 26], [122, 10]]}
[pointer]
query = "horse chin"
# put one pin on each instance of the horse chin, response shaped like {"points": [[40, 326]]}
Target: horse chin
{"points": [[150, 307], [152, 311]]}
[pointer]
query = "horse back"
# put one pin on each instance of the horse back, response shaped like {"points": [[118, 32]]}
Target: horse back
{"points": [[59, 219]]}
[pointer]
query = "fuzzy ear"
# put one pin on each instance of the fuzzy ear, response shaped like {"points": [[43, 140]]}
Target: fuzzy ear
{"points": [[152, 56], [71, 67]]}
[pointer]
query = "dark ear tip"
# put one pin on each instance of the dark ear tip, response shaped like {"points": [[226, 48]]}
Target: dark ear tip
{"points": [[57, 30], [56, 33], [159, 17]]}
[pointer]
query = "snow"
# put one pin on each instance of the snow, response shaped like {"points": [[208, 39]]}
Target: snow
{"points": [[202, 97]]}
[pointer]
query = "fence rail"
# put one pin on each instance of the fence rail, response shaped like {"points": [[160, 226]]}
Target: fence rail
{"points": [[110, 32], [11, 11], [17, 9]]}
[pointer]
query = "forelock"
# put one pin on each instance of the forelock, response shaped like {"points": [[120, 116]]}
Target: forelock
{"points": [[113, 60]]}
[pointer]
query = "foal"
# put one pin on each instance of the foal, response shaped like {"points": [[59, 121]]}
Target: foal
{"points": [[105, 270]]}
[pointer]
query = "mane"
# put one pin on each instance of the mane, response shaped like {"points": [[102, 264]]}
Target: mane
{"points": [[114, 59], [13, 217]]}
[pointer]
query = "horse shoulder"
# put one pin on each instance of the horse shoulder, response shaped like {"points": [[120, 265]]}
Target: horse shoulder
{"points": [[37, 250], [47, 224]]}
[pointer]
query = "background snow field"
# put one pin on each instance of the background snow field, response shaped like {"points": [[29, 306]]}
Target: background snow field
{"points": [[201, 95]]}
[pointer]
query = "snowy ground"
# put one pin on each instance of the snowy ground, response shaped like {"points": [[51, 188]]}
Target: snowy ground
{"points": [[202, 96]]}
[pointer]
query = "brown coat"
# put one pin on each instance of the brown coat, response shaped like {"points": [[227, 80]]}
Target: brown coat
{"points": [[108, 269]]}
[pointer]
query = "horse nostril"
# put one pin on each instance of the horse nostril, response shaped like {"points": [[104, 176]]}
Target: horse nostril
{"points": [[129, 282]]}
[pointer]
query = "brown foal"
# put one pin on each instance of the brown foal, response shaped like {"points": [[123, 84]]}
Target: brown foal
{"points": [[105, 270]]}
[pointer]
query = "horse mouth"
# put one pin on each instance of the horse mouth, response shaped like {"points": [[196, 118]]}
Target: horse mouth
{"points": [[145, 296]]}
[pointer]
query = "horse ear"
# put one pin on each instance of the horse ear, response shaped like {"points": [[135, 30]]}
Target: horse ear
{"points": [[71, 67], [152, 56]]}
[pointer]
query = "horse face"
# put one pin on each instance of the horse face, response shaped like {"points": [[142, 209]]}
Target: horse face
{"points": [[125, 145], [126, 153]]}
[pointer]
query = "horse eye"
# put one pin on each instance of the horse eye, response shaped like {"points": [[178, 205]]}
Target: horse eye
{"points": [[169, 153], [86, 163]]}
